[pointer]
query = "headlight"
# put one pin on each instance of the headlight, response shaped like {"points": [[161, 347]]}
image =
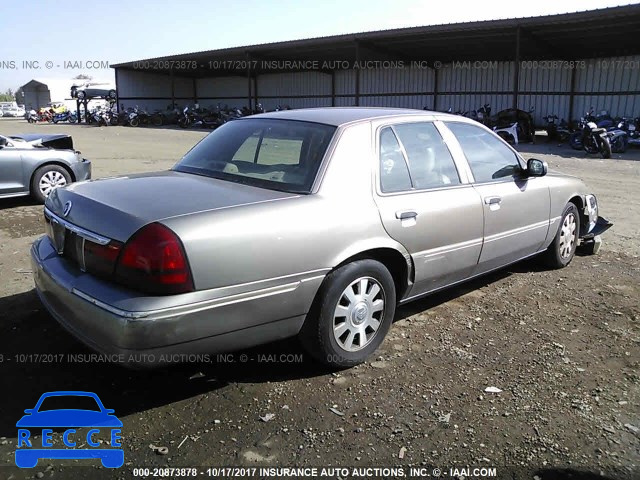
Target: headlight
{"points": [[591, 210]]}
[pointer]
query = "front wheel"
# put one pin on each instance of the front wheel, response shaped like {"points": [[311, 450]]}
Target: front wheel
{"points": [[563, 248], [351, 315], [134, 122]]}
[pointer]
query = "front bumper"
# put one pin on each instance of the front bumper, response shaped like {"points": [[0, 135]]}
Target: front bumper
{"points": [[601, 226], [162, 335], [81, 169]]}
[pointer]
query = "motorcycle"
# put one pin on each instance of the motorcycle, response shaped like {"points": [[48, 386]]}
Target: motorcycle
{"points": [[100, 118], [632, 127], [590, 137], [65, 117], [138, 117], [618, 138], [167, 117], [32, 116], [198, 117], [483, 114]]}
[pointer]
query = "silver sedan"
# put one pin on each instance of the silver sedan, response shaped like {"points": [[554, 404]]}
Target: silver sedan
{"points": [[37, 164], [314, 223]]}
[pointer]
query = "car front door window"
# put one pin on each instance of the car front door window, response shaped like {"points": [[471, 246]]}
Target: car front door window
{"points": [[490, 159]]}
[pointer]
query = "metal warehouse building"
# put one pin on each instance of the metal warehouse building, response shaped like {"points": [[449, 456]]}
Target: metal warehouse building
{"points": [[558, 64]]}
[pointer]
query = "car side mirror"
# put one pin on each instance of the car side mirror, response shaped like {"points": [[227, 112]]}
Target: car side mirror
{"points": [[536, 167]]}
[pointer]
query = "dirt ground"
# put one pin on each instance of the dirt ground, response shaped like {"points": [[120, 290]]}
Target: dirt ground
{"points": [[562, 346]]}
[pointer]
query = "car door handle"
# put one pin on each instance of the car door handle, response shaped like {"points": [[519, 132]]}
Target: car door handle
{"points": [[405, 214], [492, 200]]}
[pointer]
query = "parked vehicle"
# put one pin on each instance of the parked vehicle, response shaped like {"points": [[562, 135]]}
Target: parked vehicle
{"points": [[618, 138], [32, 116], [558, 132], [13, 111], [297, 223], [66, 116], [45, 115], [37, 164], [167, 117], [94, 90], [591, 138], [506, 118], [139, 117], [632, 127], [196, 117]]}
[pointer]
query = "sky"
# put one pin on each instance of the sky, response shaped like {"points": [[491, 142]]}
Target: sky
{"points": [[115, 31]]}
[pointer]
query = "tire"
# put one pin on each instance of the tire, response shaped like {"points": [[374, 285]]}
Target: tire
{"points": [[134, 122], [46, 178], [563, 248], [371, 313], [575, 140], [156, 120], [605, 148]]}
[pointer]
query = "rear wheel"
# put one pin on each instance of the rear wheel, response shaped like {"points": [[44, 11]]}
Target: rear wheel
{"points": [[351, 315], [46, 179], [563, 248]]}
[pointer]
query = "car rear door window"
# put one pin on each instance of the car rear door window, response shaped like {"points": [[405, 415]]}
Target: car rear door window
{"points": [[489, 158], [430, 162], [394, 174]]}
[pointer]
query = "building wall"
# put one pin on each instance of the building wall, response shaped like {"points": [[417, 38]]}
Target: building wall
{"points": [[461, 86]]}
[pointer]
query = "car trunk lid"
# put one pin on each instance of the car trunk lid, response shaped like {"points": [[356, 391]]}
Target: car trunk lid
{"points": [[117, 207]]}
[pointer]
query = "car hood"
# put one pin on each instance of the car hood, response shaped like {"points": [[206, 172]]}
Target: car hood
{"points": [[117, 207], [69, 418], [57, 142]]}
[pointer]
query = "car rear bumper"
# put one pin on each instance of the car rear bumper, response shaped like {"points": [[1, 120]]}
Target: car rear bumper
{"points": [[166, 335]]}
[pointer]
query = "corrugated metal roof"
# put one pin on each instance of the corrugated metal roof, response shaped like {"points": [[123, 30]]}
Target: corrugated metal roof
{"points": [[604, 16]]}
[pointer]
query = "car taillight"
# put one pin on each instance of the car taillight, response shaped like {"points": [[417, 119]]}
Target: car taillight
{"points": [[101, 259], [154, 261]]}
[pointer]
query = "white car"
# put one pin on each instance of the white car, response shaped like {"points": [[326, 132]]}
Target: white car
{"points": [[13, 112]]}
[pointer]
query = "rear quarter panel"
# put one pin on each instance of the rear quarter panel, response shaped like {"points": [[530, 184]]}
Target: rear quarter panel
{"points": [[301, 236]]}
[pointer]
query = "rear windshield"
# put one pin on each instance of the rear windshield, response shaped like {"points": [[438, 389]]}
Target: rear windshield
{"points": [[275, 154]]}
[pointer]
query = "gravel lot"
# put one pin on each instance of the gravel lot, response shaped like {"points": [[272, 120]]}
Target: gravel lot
{"points": [[561, 345]]}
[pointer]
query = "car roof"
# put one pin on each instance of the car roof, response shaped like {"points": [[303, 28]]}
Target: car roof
{"points": [[342, 115]]}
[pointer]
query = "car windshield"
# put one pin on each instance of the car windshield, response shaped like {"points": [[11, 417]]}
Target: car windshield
{"points": [[69, 402], [275, 154]]}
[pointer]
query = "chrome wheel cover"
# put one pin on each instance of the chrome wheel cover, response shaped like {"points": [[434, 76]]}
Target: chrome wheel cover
{"points": [[50, 181], [567, 236], [359, 314]]}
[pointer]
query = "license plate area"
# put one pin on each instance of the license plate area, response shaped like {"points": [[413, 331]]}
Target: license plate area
{"points": [[67, 244], [56, 233]]}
